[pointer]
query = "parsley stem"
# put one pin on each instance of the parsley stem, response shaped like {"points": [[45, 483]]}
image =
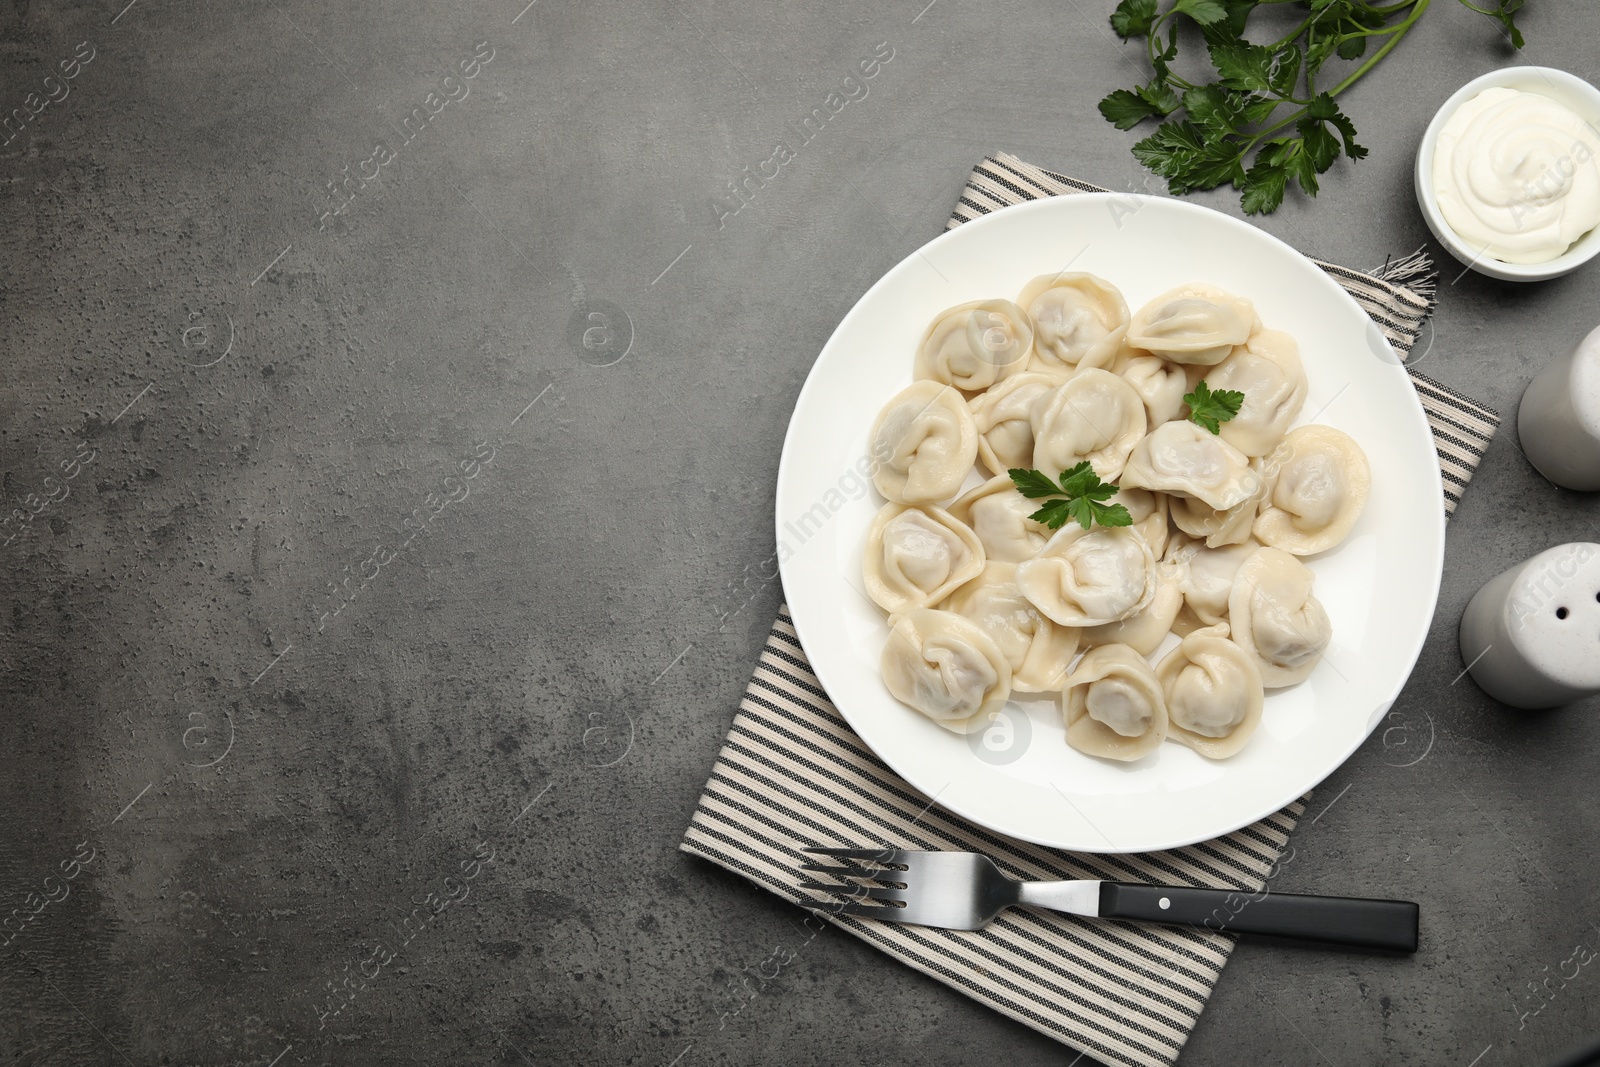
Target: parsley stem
{"points": [[1150, 47], [1399, 32], [1295, 34], [1274, 128]]}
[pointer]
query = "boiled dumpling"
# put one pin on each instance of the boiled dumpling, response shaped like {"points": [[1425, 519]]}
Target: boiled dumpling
{"points": [[1076, 320], [1149, 513], [1267, 370], [925, 443], [1319, 483], [1038, 650], [1113, 705], [916, 556], [946, 667], [972, 346], [1193, 324], [1144, 631], [1206, 574], [1160, 384], [1095, 416], [1089, 577], [998, 514], [1275, 618], [1180, 457], [1215, 528], [1227, 527], [1213, 693], [1004, 417]]}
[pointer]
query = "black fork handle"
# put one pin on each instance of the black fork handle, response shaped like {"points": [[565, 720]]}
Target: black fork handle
{"points": [[1350, 921]]}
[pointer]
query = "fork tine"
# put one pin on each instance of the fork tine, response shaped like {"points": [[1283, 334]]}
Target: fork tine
{"points": [[854, 892], [884, 854], [869, 873]]}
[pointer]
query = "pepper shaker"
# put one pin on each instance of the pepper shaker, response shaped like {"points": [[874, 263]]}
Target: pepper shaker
{"points": [[1531, 636], [1558, 421]]}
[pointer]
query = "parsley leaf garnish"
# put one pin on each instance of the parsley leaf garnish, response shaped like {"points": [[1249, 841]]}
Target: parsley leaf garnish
{"points": [[1134, 18], [1033, 484], [1212, 409], [1080, 496], [1504, 13], [1261, 125]]}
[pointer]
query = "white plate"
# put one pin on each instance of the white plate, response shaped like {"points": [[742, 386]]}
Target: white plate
{"points": [[1020, 778]]}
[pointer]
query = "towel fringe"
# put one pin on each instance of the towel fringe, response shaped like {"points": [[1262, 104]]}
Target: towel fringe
{"points": [[1415, 272]]}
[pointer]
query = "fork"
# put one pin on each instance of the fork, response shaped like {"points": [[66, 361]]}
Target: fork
{"points": [[965, 891]]}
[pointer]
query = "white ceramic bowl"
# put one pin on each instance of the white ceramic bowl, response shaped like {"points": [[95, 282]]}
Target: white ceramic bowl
{"points": [[1564, 88]]}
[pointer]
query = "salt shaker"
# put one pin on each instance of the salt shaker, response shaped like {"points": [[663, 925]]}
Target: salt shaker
{"points": [[1531, 636], [1558, 421]]}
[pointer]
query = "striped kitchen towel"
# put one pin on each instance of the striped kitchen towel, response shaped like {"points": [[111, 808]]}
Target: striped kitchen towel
{"points": [[792, 773]]}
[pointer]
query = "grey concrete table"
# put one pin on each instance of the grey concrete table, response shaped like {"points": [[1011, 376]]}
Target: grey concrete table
{"points": [[354, 560]]}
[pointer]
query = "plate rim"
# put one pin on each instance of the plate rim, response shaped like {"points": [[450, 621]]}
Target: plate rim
{"points": [[787, 459]]}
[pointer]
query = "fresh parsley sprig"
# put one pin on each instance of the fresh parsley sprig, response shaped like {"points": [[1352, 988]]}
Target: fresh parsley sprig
{"points": [[1080, 497], [1211, 409], [1231, 130]]}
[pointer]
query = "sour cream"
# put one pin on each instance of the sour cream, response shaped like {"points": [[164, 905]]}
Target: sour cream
{"points": [[1517, 175]]}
